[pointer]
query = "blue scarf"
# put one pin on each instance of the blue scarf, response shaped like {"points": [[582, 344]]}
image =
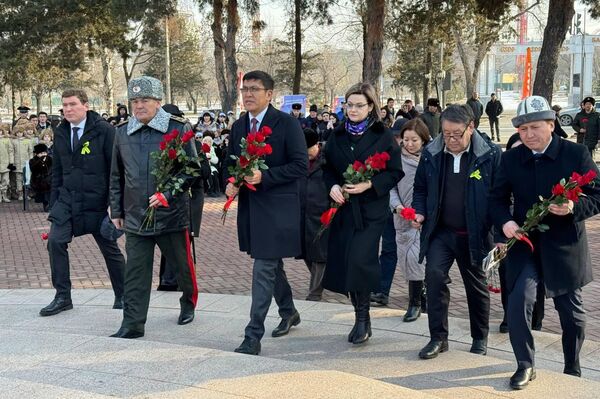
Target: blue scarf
{"points": [[358, 128]]}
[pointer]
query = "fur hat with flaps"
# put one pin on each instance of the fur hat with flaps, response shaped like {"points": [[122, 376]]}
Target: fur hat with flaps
{"points": [[27, 128], [39, 148], [46, 132], [5, 128]]}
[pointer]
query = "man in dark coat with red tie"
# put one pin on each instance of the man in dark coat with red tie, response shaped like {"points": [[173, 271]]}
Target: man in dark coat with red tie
{"points": [[560, 259], [269, 218], [79, 197]]}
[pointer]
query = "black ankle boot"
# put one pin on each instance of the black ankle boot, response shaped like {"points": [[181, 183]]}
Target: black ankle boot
{"points": [[363, 320], [353, 331], [424, 298], [415, 289]]}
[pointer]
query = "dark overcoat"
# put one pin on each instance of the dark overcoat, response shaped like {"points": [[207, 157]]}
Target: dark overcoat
{"points": [[268, 220], [483, 162], [353, 250], [80, 179], [315, 200], [561, 253]]}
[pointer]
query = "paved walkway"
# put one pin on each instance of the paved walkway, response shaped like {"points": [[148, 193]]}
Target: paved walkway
{"points": [[70, 356], [221, 267]]}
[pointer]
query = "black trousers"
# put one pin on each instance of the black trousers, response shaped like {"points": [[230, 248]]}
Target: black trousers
{"points": [[520, 307], [445, 247], [495, 122], [268, 281], [540, 300], [138, 273], [58, 241], [168, 270]]}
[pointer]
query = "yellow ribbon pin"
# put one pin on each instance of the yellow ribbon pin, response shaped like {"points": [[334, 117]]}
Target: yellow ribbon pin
{"points": [[86, 148], [476, 175]]}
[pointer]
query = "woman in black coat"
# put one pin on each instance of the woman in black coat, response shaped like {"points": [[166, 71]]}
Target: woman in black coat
{"points": [[352, 260], [41, 174]]}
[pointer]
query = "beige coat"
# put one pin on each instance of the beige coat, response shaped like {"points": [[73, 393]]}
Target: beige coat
{"points": [[23, 148], [7, 153]]}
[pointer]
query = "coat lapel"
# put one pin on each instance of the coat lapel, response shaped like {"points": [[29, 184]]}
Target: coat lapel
{"points": [[344, 143], [366, 143]]}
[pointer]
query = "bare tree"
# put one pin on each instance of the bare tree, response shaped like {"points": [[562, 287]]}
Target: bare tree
{"points": [[372, 14]]}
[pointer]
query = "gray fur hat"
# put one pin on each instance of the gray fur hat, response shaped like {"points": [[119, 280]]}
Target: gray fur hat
{"points": [[533, 108], [145, 87]]}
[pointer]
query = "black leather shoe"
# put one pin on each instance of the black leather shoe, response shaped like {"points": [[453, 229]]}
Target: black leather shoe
{"points": [[573, 369], [503, 327], [284, 327], [165, 287], [380, 299], [185, 317], [412, 313], [56, 306], [249, 346], [433, 348], [127, 333], [479, 346], [118, 303], [520, 379]]}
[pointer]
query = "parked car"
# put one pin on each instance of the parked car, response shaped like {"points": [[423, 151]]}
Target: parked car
{"points": [[567, 115]]}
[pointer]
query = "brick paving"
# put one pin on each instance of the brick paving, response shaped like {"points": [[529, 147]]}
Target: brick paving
{"points": [[221, 267]]}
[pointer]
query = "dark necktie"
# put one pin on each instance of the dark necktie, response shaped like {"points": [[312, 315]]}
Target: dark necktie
{"points": [[75, 141], [538, 156], [254, 129]]}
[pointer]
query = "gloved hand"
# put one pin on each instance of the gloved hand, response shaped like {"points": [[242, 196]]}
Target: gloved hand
{"points": [[11, 167]]}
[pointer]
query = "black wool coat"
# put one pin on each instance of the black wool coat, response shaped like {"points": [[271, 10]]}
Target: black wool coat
{"points": [[80, 180], [353, 250], [268, 220], [561, 253], [315, 200]]}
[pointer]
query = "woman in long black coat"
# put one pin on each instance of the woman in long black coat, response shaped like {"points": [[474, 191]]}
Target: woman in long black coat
{"points": [[352, 260]]}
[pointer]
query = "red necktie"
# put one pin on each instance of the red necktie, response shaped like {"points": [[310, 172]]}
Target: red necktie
{"points": [[254, 129]]}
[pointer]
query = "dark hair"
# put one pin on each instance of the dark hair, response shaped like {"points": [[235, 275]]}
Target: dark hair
{"points": [[333, 114], [458, 114], [264, 78], [419, 127], [512, 140], [79, 93], [367, 90], [32, 116], [42, 113], [390, 99]]}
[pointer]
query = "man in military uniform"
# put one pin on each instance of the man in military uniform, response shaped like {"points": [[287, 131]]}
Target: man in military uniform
{"points": [[132, 191], [23, 114], [587, 125]]}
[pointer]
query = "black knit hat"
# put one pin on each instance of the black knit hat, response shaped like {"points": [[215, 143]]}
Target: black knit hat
{"points": [[311, 137], [313, 108], [39, 148]]}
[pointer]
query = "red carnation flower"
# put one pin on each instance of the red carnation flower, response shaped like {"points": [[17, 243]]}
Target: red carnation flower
{"points": [[260, 137], [205, 148], [576, 177], [162, 145], [408, 214], [266, 131], [44, 236], [251, 138], [587, 178], [244, 162], [172, 153], [252, 149], [327, 216], [574, 194], [358, 166], [558, 189], [268, 149], [171, 136]]}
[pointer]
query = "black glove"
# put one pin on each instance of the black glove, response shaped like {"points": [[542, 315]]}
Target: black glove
{"points": [[11, 167]]}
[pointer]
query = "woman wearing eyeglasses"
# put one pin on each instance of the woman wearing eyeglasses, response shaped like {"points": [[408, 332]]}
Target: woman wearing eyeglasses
{"points": [[352, 263]]}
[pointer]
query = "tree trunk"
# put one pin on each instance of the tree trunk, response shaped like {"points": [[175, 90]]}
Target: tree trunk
{"points": [[50, 106], [194, 102], [428, 72], [560, 14], [13, 99], [373, 30], [233, 24], [219, 51], [297, 47], [109, 89], [38, 101]]}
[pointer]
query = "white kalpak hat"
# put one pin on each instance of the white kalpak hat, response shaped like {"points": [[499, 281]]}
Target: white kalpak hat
{"points": [[533, 108]]}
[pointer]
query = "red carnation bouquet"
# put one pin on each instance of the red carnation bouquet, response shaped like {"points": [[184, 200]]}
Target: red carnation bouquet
{"points": [[408, 214], [170, 160], [563, 192], [356, 173], [254, 149]]}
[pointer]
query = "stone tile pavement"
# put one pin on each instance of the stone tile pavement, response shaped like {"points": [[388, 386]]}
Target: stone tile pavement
{"points": [[221, 268]]}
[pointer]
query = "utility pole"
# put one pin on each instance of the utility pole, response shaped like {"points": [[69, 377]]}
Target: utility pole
{"points": [[167, 64], [581, 79]]}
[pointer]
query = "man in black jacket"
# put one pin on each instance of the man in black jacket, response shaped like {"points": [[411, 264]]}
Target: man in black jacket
{"points": [[560, 259], [79, 195], [269, 218], [133, 191], [477, 108], [450, 199], [493, 109]]}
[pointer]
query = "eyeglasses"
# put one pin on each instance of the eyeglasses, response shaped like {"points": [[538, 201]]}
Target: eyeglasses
{"points": [[251, 89], [454, 135], [357, 106]]}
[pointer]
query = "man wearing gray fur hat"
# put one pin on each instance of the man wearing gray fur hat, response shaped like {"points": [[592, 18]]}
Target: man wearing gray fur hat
{"points": [[132, 191], [560, 258]]}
